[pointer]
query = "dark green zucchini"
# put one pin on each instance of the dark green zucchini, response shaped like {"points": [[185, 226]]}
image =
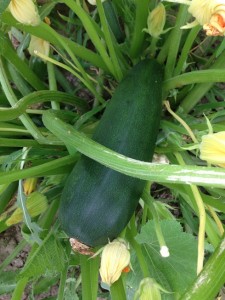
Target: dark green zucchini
{"points": [[97, 202]]}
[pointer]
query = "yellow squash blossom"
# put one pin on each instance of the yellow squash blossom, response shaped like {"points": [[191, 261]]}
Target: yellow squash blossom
{"points": [[208, 13], [212, 148], [36, 204], [24, 11], [38, 45], [115, 260], [156, 21]]}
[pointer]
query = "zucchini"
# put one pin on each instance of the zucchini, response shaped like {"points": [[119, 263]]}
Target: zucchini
{"points": [[98, 202]]}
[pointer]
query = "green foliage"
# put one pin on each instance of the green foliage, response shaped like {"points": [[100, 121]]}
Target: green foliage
{"points": [[48, 259], [52, 107], [69, 289], [178, 270], [4, 4], [7, 281]]}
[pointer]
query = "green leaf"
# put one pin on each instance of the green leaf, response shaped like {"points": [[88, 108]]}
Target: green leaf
{"points": [[4, 5], [7, 281], [48, 259], [178, 270], [70, 288]]}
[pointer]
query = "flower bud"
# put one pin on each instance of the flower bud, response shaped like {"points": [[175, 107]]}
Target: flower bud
{"points": [[148, 289], [156, 20], [115, 260], [212, 148], [25, 12], [38, 45], [29, 185]]}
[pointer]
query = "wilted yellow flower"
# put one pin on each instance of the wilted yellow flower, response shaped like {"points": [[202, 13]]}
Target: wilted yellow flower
{"points": [[148, 289], [212, 148], [39, 45], [115, 260], [24, 11], [36, 204], [156, 21], [208, 13]]}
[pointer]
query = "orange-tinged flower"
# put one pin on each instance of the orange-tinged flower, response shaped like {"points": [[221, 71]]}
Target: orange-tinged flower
{"points": [[208, 13], [24, 11], [115, 260], [212, 148]]}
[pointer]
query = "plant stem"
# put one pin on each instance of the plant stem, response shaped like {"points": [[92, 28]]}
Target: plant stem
{"points": [[138, 251], [52, 83], [47, 33], [181, 121], [209, 76], [201, 230], [117, 290], [204, 176], [91, 31], [18, 292], [40, 170], [94, 271], [211, 279], [175, 38], [140, 24], [186, 50], [85, 276], [62, 283], [109, 42], [149, 201], [216, 219], [27, 122], [202, 219], [200, 90]]}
